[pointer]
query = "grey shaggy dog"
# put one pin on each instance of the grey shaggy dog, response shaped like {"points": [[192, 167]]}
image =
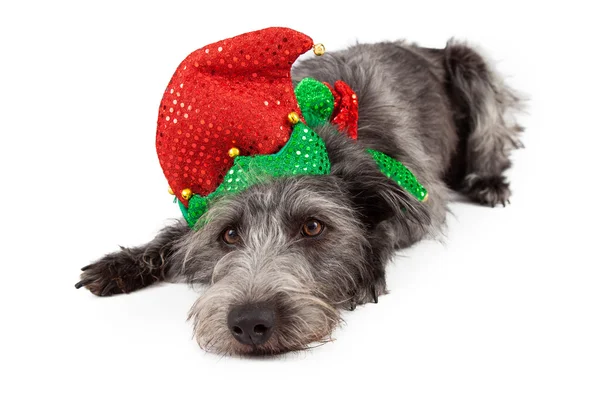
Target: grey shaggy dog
{"points": [[282, 258]]}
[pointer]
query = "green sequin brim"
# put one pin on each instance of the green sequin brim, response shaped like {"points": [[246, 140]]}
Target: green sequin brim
{"points": [[303, 154]]}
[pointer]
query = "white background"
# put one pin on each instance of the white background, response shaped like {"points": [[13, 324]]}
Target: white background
{"points": [[507, 306]]}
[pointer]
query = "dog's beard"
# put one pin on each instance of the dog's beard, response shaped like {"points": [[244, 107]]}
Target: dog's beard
{"points": [[303, 315]]}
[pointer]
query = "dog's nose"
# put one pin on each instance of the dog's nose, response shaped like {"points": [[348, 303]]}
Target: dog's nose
{"points": [[251, 324]]}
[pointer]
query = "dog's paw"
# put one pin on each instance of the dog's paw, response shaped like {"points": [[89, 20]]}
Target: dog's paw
{"points": [[487, 190], [101, 279], [114, 274], [368, 294]]}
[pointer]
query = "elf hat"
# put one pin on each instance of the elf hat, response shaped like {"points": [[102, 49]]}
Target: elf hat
{"points": [[229, 117]]}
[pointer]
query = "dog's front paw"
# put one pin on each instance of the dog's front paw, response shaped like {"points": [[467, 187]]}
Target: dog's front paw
{"points": [[101, 279], [114, 274], [487, 190], [367, 294]]}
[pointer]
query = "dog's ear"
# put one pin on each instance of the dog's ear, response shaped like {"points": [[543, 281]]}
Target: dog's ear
{"points": [[375, 196], [378, 198]]}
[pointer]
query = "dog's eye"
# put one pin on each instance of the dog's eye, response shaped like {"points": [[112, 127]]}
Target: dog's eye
{"points": [[312, 227], [230, 236]]}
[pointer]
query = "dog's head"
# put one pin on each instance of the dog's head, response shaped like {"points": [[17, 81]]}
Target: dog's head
{"points": [[283, 257]]}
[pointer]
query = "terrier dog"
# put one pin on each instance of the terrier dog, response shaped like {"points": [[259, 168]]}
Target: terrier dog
{"points": [[282, 258]]}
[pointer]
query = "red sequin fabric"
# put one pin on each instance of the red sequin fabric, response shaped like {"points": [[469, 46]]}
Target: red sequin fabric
{"points": [[233, 93], [345, 111]]}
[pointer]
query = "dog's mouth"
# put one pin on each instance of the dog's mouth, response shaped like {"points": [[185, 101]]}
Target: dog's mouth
{"points": [[276, 347], [279, 343]]}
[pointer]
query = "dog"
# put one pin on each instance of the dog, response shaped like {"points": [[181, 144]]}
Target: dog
{"points": [[282, 259]]}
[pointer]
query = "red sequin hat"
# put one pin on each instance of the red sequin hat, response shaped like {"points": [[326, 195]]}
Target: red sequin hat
{"points": [[231, 116], [227, 99]]}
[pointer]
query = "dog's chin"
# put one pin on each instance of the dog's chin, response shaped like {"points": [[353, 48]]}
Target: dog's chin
{"points": [[277, 344], [270, 348]]}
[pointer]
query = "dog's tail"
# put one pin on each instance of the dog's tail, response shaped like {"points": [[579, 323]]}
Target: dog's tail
{"points": [[484, 114]]}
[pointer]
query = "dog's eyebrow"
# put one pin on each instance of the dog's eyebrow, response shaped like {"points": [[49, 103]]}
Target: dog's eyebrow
{"points": [[319, 207], [225, 210]]}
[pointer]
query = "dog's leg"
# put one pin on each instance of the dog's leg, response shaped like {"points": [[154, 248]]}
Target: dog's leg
{"points": [[136, 267], [484, 108]]}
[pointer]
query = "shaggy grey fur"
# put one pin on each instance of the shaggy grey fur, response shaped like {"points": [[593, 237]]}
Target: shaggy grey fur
{"points": [[443, 112]]}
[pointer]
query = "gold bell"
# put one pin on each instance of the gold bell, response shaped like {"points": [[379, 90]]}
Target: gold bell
{"points": [[186, 194], [171, 191], [233, 152], [293, 117], [426, 197], [319, 49]]}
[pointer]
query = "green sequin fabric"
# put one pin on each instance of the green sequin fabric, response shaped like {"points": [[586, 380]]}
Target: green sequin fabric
{"points": [[303, 154], [396, 171], [315, 100]]}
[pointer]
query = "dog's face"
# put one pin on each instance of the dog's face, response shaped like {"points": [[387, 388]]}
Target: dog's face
{"points": [[285, 256]]}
